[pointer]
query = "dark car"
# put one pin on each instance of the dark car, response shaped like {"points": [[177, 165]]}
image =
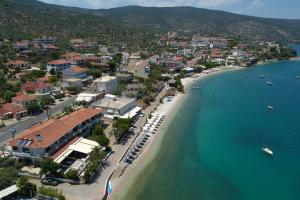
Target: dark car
{"points": [[50, 181]]}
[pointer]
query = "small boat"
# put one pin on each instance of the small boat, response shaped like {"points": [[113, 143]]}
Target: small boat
{"points": [[267, 151], [196, 88], [297, 77], [262, 76], [269, 83], [270, 107]]}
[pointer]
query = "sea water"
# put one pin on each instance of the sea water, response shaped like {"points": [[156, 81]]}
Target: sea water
{"points": [[213, 148]]}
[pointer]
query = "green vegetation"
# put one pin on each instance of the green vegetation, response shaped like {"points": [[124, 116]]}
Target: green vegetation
{"points": [[7, 90], [25, 188], [33, 108], [45, 101], [33, 75], [50, 192], [8, 162], [140, 27], [98, 136], [8, 176], [121, 127], [54, 78], [68, 109], [49, 166], [94, 162], [209, 65], [72, 174], [95, 73]]}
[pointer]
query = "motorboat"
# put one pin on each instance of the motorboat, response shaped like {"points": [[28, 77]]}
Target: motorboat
{"points": [[262, 76], [269, 83], [270, 107], [267, 151]]}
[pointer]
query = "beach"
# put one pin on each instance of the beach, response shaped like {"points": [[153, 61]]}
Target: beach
{"points": [[125, 175]]}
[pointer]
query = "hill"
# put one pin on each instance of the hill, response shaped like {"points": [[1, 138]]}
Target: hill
{"points": [[205, 21], [19, 18]]}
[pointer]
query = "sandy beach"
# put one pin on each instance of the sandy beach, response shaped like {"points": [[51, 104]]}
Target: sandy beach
{"points": [[187, 82], [124, 178], [125, 175]]}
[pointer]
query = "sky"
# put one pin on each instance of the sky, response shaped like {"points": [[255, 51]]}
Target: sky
{"points": [[263, 8]]}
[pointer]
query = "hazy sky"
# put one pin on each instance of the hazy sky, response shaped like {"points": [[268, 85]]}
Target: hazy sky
{"points": [[263, 8]]}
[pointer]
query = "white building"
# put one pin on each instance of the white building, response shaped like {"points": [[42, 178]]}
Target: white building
{"points": [[107, 84], [120, 107]]}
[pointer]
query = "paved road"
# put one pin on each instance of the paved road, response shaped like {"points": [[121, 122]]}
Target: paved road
{"points": [[22, 125], [94, 191]]}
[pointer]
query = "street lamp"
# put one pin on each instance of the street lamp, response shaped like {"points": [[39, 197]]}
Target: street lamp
{"points": [[13, 132]]}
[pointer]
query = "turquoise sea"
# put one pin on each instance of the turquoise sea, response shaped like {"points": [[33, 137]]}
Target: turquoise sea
{"points": [[212, 148]]}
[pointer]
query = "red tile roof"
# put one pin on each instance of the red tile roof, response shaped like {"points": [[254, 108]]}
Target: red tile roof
{"points": [[59, 62], [52, 130], [11, 107], [23, 97], [77, 69], [33, 86], [65, 147], [17, 62]]}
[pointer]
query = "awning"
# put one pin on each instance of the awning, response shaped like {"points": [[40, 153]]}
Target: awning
{"points": [[130, 114]]}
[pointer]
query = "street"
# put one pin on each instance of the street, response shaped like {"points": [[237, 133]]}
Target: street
{"points": [[5, 132], [94, 191]]}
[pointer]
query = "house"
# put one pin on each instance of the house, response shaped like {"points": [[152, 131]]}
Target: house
{"points": [[188, 71], [106, 84], [46, 138], [75, 72], [22, 45], [37, 89], [58, 65], [132, 90], [18, 65], [125, 77], [23, 100], [12, 110], [118, 107], [184, 52], [38, 42]]}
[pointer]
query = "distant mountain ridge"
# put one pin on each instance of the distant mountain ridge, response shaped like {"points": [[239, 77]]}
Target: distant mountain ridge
{"points": [[31, 17]]}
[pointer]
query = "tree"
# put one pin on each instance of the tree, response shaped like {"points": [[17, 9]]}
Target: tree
{"points": [[51, 192], [72, 174], [8, 94], [33, 107], [52, 71], [49, 166], [53, 79], [98, 130], [45, 101], [7, 177], [121, 127], [25, 188]]}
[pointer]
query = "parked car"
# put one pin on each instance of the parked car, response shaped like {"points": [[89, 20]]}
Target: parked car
{"points": [[50, 181]]}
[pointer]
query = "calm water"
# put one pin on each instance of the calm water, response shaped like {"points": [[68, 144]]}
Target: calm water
{"points": [[212, 150]]}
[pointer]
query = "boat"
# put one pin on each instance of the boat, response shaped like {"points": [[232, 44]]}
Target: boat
{"points": [[267, 151], [269, 83], [270, 107], [196, 88], [262, 76], [298, 77]]}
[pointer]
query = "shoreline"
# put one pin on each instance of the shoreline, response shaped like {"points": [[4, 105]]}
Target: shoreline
{"points": [[122, 184], [125, 177], [189, 81]]}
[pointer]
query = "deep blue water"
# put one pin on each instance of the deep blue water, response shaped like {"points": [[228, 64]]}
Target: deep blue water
{"points": [[212, 148]]}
